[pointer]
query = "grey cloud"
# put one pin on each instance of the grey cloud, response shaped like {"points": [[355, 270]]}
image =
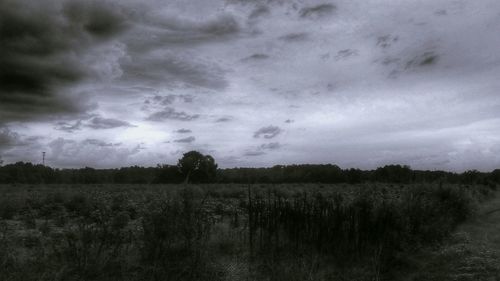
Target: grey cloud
{"points": [[441, 12], [390, 60], [426, 59], [254, 153], [386, 41], [8, 138], [346, 53], [186, 140], [294, 37], [96, 17], [107, 123], [421, 61], [268, 132], [171, 113], [44, 45], [153, 57], [257, 2], [170, 99], [183, 131], [221, 26], [68, 127], [172, 70], [335, 68], [14, 146], [224, 119], [261, 150], [97, 142], [256, 57], [318, 11], [270, 146], [90, 152], [259, 11], [289, 121], [33, 139], [175, 30]]}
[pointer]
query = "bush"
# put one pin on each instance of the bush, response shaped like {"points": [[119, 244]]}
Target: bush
{"points": [[175, 239], [8, 208]]}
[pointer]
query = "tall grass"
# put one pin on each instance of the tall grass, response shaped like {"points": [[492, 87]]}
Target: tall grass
{"points": [[225, 232], [373, 226]]}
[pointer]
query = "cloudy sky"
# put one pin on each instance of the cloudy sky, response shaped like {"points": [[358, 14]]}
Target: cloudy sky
{"points": [[359, 83]]}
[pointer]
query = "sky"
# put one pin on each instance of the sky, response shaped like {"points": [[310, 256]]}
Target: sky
{"points": [[254, 83]]}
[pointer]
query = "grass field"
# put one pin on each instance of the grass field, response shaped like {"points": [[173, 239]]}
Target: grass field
{"points": [[228, 232]]}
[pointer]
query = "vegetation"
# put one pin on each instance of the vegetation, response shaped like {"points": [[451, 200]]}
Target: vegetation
{"points": [[198, 168], [225, 231], [307, 222], [203, 169]]}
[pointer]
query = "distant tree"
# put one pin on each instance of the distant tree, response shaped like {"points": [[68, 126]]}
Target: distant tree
{"points": [[394, 173], [495, 176], [472, 177], [167, 174], [197, 168]]}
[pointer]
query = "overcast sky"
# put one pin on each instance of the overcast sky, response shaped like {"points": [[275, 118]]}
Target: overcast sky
{"points": [[358, 83]]}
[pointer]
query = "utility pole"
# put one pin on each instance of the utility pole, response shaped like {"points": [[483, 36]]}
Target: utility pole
{"points": [[43, 158]]}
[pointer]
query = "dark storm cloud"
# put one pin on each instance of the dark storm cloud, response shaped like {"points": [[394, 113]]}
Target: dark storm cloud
{"points": [[8, 138], [12, 143], [183, 131], [96, 17], [171, 113], [106, 123], [268, 132], [41, 43], [317, 11], [186, 140]]}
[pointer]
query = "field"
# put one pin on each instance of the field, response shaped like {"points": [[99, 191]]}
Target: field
{"points": [[226, 231]]}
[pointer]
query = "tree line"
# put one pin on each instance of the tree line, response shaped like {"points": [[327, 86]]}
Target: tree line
{"points": [[195, 167]]}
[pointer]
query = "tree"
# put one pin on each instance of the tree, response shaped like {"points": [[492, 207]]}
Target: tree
{"points": [[197, 168]]}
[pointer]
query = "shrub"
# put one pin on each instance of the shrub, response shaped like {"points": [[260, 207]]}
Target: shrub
{"points": [[175, 239], [8, 208]]}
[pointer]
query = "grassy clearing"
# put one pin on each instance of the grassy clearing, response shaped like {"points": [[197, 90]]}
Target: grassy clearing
{"points": [[471, 253], [226, 232]]}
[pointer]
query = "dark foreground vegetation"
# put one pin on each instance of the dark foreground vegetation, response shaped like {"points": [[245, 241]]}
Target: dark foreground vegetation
{"points": [[226, 231]]}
